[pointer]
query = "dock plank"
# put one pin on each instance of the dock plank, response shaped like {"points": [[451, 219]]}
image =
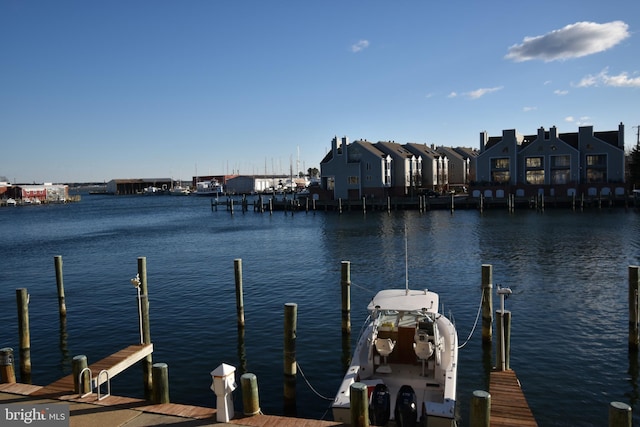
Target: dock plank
{"points": [[509, 407]]}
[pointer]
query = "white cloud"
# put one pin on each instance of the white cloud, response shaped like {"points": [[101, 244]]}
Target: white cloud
{"points": [[478, 93], [603, 78], [622, 80], [582, 121], [572, 41], [361, 45], [452, 95], [560, 92], [527, 109]]}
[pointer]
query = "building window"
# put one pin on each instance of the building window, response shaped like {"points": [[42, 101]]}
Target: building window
{"points": [[596, 168], [352, 180], [560, 169], [535, 162], [534, 170], [535, 177], [387, 171], [331, 183], [560, 161], [500, 170], [501, 163], [560, 176]]}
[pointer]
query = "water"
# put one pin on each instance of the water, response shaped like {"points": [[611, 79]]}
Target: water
{"points": [[568, 272]]}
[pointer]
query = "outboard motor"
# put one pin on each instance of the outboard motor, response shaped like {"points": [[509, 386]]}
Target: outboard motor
{"points": [[380, 407], [406, 412]]}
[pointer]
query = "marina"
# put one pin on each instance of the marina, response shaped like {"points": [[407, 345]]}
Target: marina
{"points": [[558, 264]]}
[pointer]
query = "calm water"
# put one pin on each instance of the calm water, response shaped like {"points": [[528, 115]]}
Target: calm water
{"points": [[568, 272]]}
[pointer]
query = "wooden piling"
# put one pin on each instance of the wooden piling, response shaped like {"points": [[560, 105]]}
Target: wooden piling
{"points": [[487, 303], [7, 372], [480, 413], [22, 298], [250, 397], [290, 369], [237, 268], [160, 393], [78, 364], [62, 307], [388, 204], [503, 330], [620, 415], [359, 401], [634, 307], [147, 373], [340, 205], [345, 286], [364, 205]]}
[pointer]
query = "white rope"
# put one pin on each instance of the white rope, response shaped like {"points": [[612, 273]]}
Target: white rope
{"points": [[474, 323], [310, 386]]}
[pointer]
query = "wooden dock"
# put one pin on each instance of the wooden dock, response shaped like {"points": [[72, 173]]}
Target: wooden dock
{"points": [[509, 408], [113, 365]]}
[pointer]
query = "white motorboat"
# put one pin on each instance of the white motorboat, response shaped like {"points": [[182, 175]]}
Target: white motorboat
{"points": [[407, 356], [208, 188], [179, 190]]}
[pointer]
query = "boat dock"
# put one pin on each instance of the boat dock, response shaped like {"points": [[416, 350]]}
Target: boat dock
{"points": [[509, 407], [118, 411]]}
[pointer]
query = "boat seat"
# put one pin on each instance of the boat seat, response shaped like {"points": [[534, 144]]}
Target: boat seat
{"points": [[422, 346], [384, 346]]}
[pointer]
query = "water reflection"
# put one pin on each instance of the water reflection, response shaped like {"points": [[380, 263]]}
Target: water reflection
{"points": [[634, 393]]}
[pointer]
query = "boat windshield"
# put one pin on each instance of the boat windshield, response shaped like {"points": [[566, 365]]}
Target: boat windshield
{"points": [[393, 319]]}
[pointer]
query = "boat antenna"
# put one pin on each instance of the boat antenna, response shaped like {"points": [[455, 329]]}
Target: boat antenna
{"points": [[406, 262]]}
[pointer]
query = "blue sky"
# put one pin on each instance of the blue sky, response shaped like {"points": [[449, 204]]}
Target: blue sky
{"points": [[97, 90]]}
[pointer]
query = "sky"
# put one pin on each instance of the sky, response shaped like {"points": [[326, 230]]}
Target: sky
{"points": [[92, 91]]}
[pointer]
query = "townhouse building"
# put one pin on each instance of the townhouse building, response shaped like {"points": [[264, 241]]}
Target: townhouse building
{"points": [[352, 171], [435, 167], [386, 168], [551, 163]]}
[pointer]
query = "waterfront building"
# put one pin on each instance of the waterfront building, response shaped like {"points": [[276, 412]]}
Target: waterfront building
{"points": [[552, 164], [434, 174], [137, 185], [386, 168], [247, 184], [352, 171], [460, 161], [35, 193]]}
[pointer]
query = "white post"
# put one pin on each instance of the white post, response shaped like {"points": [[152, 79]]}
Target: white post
{"points": [[224, 382], [503, 292], [136, 282]]}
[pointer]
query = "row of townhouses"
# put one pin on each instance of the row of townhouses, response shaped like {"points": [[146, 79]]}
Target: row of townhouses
{"points": [[548, 162], [386, 168]]}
